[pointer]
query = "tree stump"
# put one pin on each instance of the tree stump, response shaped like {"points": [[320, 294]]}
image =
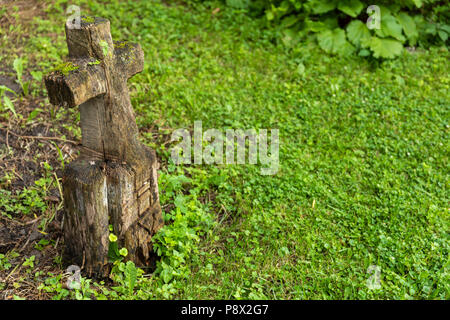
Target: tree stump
{"points": [[114, 180]]}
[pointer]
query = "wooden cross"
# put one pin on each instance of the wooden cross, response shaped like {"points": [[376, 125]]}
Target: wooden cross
{"points": [[114, 181]]}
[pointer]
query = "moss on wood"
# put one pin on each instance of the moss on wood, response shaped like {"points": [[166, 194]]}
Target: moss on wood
{"points": [[66, 67]]}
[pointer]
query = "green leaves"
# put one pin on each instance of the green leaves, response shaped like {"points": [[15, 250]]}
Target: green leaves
{"points": [[385, 48], [131, 273], [123, 252], [351, 7], [381, 47], [127, 276], [112, 237], [319, 6], [418, 3], [409, 27], [105, 48], [18, 67], [335, 42], [297, 19], [358, 33], [29, 262], [443, 35], [7, 103], [114, 254], [238, 4], [390, 27], [176, 242]]}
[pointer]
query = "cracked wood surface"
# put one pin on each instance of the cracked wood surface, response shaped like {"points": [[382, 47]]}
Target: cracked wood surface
{"points": [[119, 187]]}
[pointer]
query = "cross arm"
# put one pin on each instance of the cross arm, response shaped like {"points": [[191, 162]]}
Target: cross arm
{"points": [[85, 80], [129, 57]]}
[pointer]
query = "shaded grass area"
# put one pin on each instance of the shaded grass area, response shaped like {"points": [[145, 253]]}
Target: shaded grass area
{"points": [[363, 177]]}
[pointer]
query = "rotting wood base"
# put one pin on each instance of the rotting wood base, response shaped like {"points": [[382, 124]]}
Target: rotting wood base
{"points": [[98, 194]]}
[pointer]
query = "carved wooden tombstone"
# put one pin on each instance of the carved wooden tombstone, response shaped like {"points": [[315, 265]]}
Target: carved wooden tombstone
{"points": [[114, 181]]}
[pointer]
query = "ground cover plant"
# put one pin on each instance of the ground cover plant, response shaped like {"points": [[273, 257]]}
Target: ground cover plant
{"points": [[363, 177]]}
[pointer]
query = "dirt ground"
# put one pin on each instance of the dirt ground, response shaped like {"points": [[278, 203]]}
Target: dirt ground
{"points": [[24, 146]]}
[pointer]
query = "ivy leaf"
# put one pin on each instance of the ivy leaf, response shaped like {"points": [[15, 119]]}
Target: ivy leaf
{"points": [[358, 33], [352, 7], [409, 27], [385, 48], [335, 42]]}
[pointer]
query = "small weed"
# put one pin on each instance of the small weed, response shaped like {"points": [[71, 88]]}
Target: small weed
{"points": [[18, 67]]}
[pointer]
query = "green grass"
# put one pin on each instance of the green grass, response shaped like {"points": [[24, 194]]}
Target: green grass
{"points": [[363, 176]]}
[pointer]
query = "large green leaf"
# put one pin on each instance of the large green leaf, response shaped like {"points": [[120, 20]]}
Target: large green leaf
{"points": [[334, 41], [409, 27], [445, 27], [9, 105], [385, 48], [322, 25], [351, 7], [358, 33], [325, 40], [390, 27], [320, 6], [418, 3]]}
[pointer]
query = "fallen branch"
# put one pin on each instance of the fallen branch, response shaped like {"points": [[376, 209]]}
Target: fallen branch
{"points": [[39, 137]]}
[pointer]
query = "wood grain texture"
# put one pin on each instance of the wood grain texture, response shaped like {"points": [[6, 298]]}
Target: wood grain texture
{"points": [[78, 86], [114, 181]]}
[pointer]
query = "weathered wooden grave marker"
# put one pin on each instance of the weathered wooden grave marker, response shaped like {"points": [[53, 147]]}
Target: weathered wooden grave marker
{"points": [[114, 181]]}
